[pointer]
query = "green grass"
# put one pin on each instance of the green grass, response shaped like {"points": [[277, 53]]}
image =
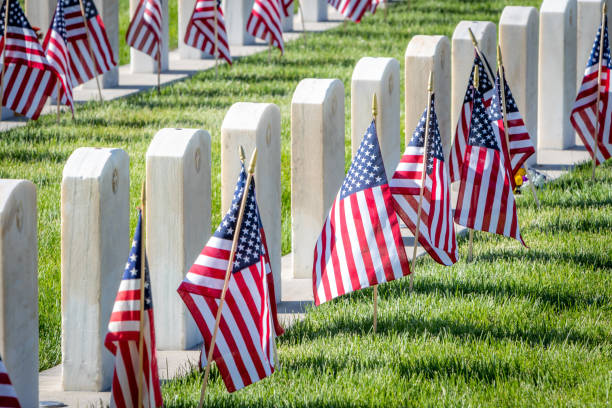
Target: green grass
{"points": [[516, 327]]}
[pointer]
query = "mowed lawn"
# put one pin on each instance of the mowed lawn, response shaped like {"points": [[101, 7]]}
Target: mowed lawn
{"points": [[516, 327]]}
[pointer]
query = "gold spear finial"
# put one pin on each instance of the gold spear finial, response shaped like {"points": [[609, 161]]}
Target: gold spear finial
{"points": [[604, 8], [241, 152], [374, 106], [473, 37], [253, 161], [499, 56], [430, 86], [476, 77]]}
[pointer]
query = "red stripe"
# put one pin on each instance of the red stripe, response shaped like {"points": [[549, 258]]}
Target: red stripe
{"points": [[348, 253], [361, 240]]}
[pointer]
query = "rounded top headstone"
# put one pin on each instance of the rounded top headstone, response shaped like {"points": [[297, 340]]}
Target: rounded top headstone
{"points": [[426, 45], [315, 91], [374, 69]]}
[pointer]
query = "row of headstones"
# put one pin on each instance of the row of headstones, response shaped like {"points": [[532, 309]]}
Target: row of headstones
{"points": [[40, 13], [95, 194]]}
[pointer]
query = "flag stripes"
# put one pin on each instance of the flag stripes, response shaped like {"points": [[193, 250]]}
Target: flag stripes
{"points": [[265, 22], [144, 31], [200, 31], [8, 396], [353, 9]]}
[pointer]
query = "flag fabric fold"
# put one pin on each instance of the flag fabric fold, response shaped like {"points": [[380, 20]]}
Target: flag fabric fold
{"points": [[8, 396], [354, 9], [485, 88], [144, 31], [245, 344], [29, 79], [584, 117], [122, 338], [265, 22], [486, 201], [436, 229], [360, 244], [200, 31]]}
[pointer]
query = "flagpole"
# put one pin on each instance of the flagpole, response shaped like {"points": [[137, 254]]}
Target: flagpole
{"points": [[270, 50], [159, 52], [502, 88], [216, 44], [6, 13], [482, 58], [142, 295], [58, 101], [91, 54], [375, 294], [596, 138], [471, 238], [426, 143], [228, 273], [386, 10], [301, 10]]}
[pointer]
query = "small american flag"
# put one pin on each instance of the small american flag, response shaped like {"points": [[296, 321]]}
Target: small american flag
{"points": [[82, 68], [485, 88], [8, 396], [200, 31], [144, 31], [29, 79], [486, 201], [265, 22], [436, 229], [353, 9], [360, 244], [244, 347], [583, 116], [123, 336], [287, 6], [56, 50], [521, 146]]}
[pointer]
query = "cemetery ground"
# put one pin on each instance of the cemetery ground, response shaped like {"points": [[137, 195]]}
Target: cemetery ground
{"points": [[515, 327]]}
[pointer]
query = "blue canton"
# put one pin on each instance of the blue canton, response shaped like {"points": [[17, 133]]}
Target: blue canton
{"points": [[250, 247], [434, 143], [59, 21], [484, 84], [88, 5], [16, 16], [594, 57], [367, 168], [511, 106], [481, 132], [132, 267]]}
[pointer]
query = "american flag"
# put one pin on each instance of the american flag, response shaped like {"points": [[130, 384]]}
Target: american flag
{"points": [[286, 6], [521, 146], [485, 87], [354, 9], [360, 244], [56, 50], [144, 31], [244, 347], [82, 68], [8, 396], [200, 31], [29, 79], [436, 229], [265, 22], [486, 201], [583, 116], [123, 336]]}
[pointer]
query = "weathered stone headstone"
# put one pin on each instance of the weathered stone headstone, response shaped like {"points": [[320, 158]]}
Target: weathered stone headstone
{"points": [[518, 35], [317, 163], [256, 125], [588, 19], [378, 76], [141, 62], [287, 22], [557, 74], [314, 10], [178, 226], [185, 9], [426, 53], [95, 245], [19, 288], [236, 14], [109, 11], [463, 59]]}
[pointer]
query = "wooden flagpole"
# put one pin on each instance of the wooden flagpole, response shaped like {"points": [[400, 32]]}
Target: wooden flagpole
{"points": [[228, 273], [386, 4], [216, 44], [375, 294], [58, 102], [91, 53], [6, 13], [270, 50], [426, 145], [597, 126], [502, 88], [471, 239], [301, 10], [159, 53], [142, 296]]}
